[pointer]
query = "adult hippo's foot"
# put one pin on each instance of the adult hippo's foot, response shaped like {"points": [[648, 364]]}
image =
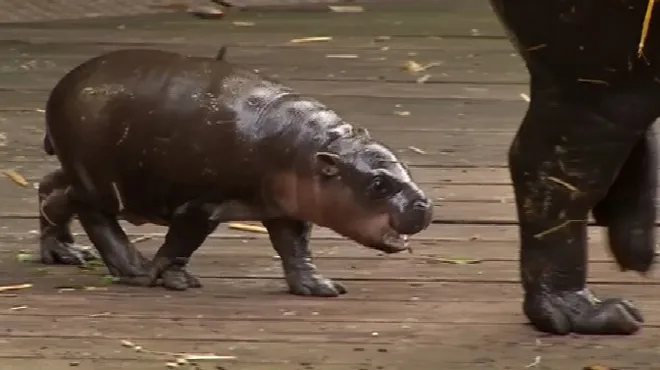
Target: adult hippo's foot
{"points": [[568, 152], [290, 238], [581, 312], [55, 214]]}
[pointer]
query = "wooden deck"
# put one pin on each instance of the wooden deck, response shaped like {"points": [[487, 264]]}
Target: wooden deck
{"points": [[402, 311]]}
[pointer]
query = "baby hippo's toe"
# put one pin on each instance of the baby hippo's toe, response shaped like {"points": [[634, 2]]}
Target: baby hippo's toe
{"points": [[312, 284], [172, 274]]}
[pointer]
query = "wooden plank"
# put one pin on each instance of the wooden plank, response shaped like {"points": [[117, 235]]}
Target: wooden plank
{"points": [[251, 45], [246, 292], [426, 21], [246, 352], [412, 269], [286, 309], [309, 331], [373, 64], [425, 250], [342, 88], [562, 356], [27, 228], [73, 42], [260, 307], [54, 364]]}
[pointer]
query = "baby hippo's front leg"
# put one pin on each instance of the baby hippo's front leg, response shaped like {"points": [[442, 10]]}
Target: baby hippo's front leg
{"points": [[290, 238]]}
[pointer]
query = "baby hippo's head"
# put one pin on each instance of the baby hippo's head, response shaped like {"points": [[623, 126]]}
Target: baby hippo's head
{"points": [[363, 192]]}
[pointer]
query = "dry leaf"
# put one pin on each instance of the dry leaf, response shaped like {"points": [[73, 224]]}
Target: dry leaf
{"points": [[95, 288], [536, 362], [346, 8], [141, 239], [206, 12], [7, 288], [224, 3], [423, 79], [341, 56], [23, 256], [193, 357], [243, 24], [311, 39], [181, 358], [455, 261], [102, 314], [246, 227], [412, 67], [416, 150], [16, 178]]}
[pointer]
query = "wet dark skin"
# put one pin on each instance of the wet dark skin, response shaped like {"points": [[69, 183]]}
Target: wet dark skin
{"points": [[585, 144], [188, 143]]}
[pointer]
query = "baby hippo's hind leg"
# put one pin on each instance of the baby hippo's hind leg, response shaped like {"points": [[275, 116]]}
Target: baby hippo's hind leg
{"points": [[55, 216], [120, 256], [629, 210], [188, 231], [290, 238]]}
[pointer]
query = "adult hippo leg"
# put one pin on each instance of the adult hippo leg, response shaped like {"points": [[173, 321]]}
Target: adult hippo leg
{"points": [[566, 155], [290, 238], [55, 216], [629, 211]]}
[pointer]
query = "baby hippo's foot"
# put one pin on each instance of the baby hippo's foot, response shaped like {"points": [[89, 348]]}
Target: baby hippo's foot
{"points": [[310, 283], [172, 274], [55, 251], [582, 313]]}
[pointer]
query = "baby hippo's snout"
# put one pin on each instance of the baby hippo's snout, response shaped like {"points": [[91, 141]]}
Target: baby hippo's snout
{"points": [[414, 216]]}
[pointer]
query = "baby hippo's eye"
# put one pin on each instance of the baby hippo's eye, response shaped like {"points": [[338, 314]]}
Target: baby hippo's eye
{"points": [[381, 187]]}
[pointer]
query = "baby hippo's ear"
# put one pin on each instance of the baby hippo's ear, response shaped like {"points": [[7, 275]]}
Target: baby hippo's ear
{"points": [[361, 131], [327, 164]]}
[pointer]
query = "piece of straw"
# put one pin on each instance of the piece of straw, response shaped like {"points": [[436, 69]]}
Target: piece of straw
{"points": [[645, 28]]}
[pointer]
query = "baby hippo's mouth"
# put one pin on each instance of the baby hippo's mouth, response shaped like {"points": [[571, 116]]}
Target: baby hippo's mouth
{"points": [[394, 242]]}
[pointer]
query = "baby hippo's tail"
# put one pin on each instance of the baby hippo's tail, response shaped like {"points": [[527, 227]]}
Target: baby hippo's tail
{"points": [[48, 146], [221, 53]]}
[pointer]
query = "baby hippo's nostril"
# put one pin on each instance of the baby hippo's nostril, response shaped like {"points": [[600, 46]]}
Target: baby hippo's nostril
{"points": [[421, 205]]}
